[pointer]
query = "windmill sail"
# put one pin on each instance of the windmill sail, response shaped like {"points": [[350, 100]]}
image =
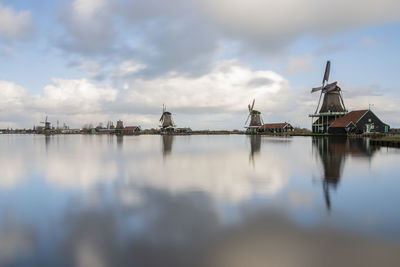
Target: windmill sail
{"points": [[316, 89], [327, 71]]}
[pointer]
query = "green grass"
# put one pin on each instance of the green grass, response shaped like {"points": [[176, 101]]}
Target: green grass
{"points": [[388, 138]]}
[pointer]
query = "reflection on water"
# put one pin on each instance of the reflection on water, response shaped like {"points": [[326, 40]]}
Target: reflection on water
{"points": [[333, 152], [115, 201], [167, 141], [120, 140], [255, 146]]}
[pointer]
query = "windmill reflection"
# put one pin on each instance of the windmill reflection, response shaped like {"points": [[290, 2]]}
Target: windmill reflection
{"points": [[120, 141], [47, 142], [167, 141], [333, 152], [255, 147]]}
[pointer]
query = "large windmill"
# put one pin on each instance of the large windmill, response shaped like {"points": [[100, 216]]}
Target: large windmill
{"points": [[255, 119], [332, 105], [167, 124]]}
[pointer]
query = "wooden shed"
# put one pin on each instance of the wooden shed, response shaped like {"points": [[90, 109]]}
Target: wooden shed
{"points": [[129, 130], [358, 121], [276, 127]]}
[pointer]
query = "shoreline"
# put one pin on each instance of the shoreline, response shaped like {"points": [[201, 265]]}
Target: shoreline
{"points": [[375, 139], [373, 136]]}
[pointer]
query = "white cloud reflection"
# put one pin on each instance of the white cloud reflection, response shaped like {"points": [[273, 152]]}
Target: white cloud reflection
{"points": [[222, 171]]}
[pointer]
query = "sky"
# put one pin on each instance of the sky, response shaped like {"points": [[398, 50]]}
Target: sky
{"points": [[92, 61]]}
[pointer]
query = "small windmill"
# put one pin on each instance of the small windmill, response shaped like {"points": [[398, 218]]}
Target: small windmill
{"points": [[167, 124], [46, 124], [333, 100], [255, 119]]}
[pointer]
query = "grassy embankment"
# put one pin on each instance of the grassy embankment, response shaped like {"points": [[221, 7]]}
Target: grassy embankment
{"points": [[388, 140]]}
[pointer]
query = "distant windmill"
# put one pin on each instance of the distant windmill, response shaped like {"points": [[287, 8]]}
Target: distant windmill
{"points": [[255, 118], [167, 124], [46, 124], [332, 106]]}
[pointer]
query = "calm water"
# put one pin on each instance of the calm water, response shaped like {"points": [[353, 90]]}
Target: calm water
{"points": [[197, 201]]}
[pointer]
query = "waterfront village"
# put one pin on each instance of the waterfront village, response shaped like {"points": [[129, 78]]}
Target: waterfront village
{"points": [[330, 118]]}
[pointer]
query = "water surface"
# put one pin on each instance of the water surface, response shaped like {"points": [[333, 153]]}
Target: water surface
{"points": [[232, 200]]}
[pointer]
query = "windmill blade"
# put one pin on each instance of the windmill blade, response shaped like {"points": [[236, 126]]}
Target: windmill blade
{"points": [[249, 107], [341, 98], [319, 101], [327, 71], [162, 116], [252, 105], [247, 119], [316, 89]]}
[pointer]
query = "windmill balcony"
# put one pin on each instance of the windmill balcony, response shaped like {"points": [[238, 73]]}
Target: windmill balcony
{"points": [[341, 113]]}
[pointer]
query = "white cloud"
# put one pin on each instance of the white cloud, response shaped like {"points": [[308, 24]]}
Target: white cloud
{"points": [[216, 100], [74, 97], [301, 64], [13, 101], [275, 23], [229, 86], [14, 25], [235, 183], [91, 67], [188, 36], [126, 69], [13, 167], [89, 169], [11, 95], [88, 23]]}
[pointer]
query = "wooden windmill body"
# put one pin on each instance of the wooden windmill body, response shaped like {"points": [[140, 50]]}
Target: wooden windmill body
{"points": [[332, 105], [255, 117], [167, 124]]}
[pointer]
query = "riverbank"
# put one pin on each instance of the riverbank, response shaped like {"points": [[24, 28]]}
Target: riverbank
{"points": [[389, 141], [375, 137]]}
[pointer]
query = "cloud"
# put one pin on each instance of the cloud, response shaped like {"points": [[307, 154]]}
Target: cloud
{"points": [[145, 31], [89, 170], [13, 166], [76, 101], [13, 100], [14, 25], [188, 36], [11, 95], [74, 97], [301, 64], [227, 87], [207, 176], [216, 100], [273, 24], [89, 26]]}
